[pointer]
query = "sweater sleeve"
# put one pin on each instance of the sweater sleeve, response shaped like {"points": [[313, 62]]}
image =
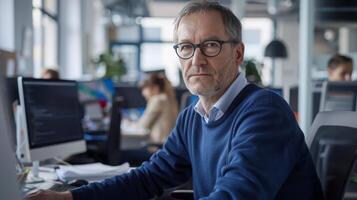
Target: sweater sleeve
{"points": [[167, 168], [264, 145]]}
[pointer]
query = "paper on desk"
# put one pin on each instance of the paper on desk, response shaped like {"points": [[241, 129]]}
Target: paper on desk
{"points": [[90, 172], [132, 128]]}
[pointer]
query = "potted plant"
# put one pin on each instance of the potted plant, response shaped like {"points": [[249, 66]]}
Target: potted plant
{"points": [[114, 65], [252, 72]]}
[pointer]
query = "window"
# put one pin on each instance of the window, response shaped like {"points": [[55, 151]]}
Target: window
{"points": [[257, 33], [45, 35], [147, 46]]}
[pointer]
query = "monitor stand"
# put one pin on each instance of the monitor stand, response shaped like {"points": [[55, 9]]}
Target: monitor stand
{"points": [[22, 145], [35, 173]]}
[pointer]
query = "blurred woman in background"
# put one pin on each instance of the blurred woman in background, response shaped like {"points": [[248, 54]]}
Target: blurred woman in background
{"points": [[162, 108], [157, 120], [50, 74]]}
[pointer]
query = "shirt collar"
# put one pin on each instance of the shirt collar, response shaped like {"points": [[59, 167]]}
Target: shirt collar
{"points": [[221, 106]]}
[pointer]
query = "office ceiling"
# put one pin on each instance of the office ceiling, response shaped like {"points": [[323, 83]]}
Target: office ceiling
{"points": [[169, 8], [327, 11]]}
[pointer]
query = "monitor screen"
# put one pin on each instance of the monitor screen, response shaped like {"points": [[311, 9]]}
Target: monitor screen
{"points": [[133, 102], [51, 112], [294, 99], [96, 97], [100, 91], [131, 95]]}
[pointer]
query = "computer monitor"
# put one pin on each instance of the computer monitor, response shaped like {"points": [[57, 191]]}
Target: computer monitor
{"points": [[316, 95], [9, 187], [51, 119], [338, 96], [96, 97], [132, 97], [133, 103], [101, 91]]}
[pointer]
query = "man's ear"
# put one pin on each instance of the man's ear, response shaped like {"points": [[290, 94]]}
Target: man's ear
{"points": [[239, 53]]}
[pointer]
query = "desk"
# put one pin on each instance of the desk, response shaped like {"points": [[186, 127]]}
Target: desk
{"points": [[132, 141], [129, 140], [48, 175], [93, 172]]}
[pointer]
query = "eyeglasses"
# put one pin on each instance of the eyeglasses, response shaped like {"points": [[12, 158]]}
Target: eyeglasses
{"points": [[209, 48]]}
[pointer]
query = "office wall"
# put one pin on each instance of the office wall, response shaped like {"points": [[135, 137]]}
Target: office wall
{"points": [[7, 41], [287, 71], [23, 36]]}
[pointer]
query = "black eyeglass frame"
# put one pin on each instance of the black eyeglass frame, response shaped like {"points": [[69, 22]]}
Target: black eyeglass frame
{"points": [[195, 46]]}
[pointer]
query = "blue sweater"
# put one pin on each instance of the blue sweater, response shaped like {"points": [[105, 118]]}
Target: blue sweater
{"points": [[255, 151]]}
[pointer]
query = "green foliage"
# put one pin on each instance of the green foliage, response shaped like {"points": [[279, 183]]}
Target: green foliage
{"points": [[252, 71], [114, 65]]}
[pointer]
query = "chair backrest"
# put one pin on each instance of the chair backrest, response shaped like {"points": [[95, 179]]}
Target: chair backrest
{"points": [[333, 141], [349, 191], [114, 133], [338, 96], [186, 99]]}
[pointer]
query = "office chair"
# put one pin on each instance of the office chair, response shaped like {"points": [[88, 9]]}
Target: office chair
{"points": [[107, 149], [337, 95], [186, 99], [349, 188], [114, 134], [332, 141]]}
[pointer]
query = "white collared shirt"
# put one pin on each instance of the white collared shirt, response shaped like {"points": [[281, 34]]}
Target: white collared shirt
{"points": [[221, 106]]}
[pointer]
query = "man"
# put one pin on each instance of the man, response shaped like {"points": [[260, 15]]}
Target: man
{"points": [[237, 142], [340, 68]]}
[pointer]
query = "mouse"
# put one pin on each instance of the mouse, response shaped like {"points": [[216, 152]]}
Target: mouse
{"points": [[78, 182]]}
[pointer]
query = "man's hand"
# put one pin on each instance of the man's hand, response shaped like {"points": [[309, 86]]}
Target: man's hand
{"points": [[49, 195]]}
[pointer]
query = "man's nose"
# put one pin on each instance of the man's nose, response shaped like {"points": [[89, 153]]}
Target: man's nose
{"points": [[198, 58]]}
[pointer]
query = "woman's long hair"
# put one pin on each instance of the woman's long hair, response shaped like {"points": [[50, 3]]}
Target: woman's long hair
{"points": [[160, 80]]}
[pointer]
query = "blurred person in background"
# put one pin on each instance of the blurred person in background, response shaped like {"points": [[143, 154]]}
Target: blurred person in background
{"points": [[50, 74], [158, 118], [340, 68], [162, 108]]}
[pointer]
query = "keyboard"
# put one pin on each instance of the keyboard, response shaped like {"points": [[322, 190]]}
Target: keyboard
{"points": [[61, 187]]}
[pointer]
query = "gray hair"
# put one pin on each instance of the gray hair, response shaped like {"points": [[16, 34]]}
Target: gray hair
{"points": [[231, 22]]}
